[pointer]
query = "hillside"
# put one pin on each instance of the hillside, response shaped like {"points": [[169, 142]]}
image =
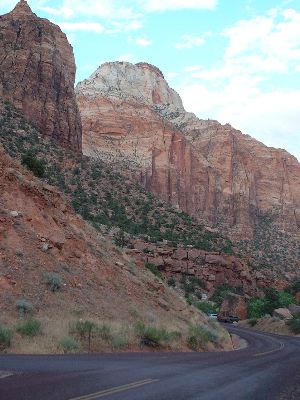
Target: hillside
{"points": [[42, 237]]}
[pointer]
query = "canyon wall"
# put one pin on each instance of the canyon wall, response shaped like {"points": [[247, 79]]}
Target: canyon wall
{"points": [[37, 74]]}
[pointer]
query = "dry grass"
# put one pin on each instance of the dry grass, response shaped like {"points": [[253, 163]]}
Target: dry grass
{"points": [[107, 336]]}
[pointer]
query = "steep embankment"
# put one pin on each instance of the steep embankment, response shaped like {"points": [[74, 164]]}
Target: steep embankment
{"points": [[41, 236], [213, 172]]}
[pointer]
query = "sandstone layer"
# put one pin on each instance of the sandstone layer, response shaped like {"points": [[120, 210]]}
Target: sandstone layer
{"points": [[37, 74], [213, 172]]}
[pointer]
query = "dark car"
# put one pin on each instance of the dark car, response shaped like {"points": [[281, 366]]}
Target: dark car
{"points": [[228, 318]]}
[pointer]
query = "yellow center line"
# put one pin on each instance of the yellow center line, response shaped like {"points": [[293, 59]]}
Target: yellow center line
{"points": [[114, 390], [270, 352]]}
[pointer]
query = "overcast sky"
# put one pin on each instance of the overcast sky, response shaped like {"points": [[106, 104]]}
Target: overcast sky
{"points": [[236, 61]]}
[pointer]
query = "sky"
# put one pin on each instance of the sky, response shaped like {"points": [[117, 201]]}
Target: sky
{"points": [[236, 61]]}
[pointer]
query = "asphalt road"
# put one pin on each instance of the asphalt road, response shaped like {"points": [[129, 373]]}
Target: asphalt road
{"points": [[269, 368]]}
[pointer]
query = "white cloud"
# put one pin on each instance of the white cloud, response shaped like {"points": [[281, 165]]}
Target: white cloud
{"points": [[245, 87], [81, 26], [165, 5], [143, 42], [190, 41]]}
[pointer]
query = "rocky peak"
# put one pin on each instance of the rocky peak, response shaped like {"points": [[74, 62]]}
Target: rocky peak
{"points": [[37, 74], [142, 83], [22, 8]]}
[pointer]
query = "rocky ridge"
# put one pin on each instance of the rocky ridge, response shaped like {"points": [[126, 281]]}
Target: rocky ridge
{"points": [[37, 74], [211, 171]]}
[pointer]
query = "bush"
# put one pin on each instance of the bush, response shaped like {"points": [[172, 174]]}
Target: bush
{"points": [[31, 327], [152, 268], [5, 337], [294, 325], [54, 281], [85, 329], [154, 337], [69, 345], [220, 293], [285, 299], [256, 308], [33, 164], [252, 322], [171, 282], [199, 337], [24, 307]]}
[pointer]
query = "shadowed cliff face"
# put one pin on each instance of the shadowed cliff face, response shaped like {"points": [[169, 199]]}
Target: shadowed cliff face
{"points": [[209, 170], [37, 73]]}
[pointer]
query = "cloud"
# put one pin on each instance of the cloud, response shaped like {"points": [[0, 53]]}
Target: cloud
{"points": [[168, 5], [81, 26], [143, 42], [248, 87], [190, 41]]}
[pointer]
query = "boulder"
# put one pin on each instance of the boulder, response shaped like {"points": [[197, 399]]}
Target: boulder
{"points": [[282, 313], [234, 304], [294, 309]]}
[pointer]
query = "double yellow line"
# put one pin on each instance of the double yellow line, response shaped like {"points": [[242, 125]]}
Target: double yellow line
{"points": [[114, 390]]}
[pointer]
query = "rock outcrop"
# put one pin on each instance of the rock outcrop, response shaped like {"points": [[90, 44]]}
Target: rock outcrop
{"points": [[233, 304], [211, 171], [37, 74], [212, 268]]}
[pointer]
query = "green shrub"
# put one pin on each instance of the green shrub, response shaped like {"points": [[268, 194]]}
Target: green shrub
{"points": [[252, 322], [152, 268], [256, 308], [54, 281], [199, 336], [5, 337], [152, 336], [104, 332], [171, 282], [34, 164], [69, 345], [285, 299], [294, 325], [220, 293], [85, 329], [31, 327], [24, 307]]}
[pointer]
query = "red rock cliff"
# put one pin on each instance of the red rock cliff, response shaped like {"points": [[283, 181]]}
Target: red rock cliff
{"points": [[37, 74], [209, 170]]}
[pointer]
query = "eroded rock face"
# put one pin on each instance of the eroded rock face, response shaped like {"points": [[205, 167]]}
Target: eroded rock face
{"points": [[208, 170], [233, 304], [37, 74]]}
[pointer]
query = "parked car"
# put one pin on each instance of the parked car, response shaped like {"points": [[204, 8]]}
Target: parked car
{"points": [[212, 316], [225, 317]]}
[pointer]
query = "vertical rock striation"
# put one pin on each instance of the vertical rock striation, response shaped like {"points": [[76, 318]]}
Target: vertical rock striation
{"points": [[209, 170], [37, 74]]}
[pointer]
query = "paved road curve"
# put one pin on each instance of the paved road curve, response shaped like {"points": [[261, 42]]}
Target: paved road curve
{"points": [[268, 369]]}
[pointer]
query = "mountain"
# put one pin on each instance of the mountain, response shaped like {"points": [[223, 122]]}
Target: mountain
{"points": [[37, 73], [223, 178]]}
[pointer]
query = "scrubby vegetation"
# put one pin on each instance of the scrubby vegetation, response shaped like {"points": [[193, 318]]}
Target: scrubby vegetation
{"points": [[54, 281], [5, 337], [24, 307], [69, 345], [200, 336], [101, 195], [259, 307], [294, 325], [30, 327]]}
